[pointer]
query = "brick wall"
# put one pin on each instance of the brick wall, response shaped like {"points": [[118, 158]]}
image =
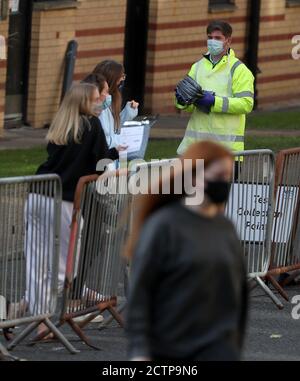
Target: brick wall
{"points": [[99, 31], [51, 31], [3, 64], [278, 83], [177, 38]]}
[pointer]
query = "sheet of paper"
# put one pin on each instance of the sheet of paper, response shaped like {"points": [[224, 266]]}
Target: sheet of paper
{"points": [[132, 137]]}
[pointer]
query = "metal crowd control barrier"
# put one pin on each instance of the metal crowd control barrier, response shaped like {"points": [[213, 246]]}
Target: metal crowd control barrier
{"points": [[251, 207], [29, 253], [285, 253], [140, 169], [98, 233]]}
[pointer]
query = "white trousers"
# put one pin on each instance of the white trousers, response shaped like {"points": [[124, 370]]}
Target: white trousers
{"points": [[39, 248]]}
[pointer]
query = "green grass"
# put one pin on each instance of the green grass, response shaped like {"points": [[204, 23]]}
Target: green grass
{"points": [[159, 149], [275, 143], [274, 120], [25, 162], [21, 162]]}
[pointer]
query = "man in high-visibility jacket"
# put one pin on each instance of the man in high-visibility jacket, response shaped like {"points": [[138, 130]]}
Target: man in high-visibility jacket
{"points": [[228, 93]]}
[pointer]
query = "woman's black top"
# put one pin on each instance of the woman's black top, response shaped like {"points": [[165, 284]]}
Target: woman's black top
{"points": [[188, 291], [74, 160]]}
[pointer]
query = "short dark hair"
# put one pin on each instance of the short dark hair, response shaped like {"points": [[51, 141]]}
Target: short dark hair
{"points": [[220, 25], [95, 79]]}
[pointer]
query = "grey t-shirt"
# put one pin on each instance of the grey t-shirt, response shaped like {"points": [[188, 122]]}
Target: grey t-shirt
{"points": [[188, 294]]}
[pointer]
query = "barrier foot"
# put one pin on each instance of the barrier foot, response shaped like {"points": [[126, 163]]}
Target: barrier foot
{"points": [[60, 336], [278, 287], [271, 295], [27, 331], [116, 315], [3, 350], [81, 334], [6, 356], [40, 336], [107, 321]]}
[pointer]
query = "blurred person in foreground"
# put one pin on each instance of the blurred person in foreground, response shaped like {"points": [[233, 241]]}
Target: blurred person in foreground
{"points": [[188, 290]]}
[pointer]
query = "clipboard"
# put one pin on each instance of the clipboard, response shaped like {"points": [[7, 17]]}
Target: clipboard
{"points": [[136, 134]]}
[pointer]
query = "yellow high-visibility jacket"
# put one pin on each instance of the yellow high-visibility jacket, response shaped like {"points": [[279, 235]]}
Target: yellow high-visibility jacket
{"points": [[233, 84]]}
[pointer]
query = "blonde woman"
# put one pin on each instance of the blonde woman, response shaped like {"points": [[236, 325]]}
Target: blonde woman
{"points": [[76, 142]]}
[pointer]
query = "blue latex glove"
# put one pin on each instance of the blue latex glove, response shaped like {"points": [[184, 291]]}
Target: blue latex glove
{"points": [[206, 101]]}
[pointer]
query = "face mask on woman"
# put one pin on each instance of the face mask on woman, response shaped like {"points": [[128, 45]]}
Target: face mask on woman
{"points": [[218, 191], [107, 102], [97, 108]]}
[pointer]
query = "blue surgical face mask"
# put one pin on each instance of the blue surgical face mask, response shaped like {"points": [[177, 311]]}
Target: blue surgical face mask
{"points": [[107, 102], [97, 109], [215, 47]]}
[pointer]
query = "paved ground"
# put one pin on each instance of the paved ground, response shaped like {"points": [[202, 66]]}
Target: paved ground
{"points": [[272, 335]]}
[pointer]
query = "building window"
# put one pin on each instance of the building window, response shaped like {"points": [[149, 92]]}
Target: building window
{"points": [[217, 2], [292, 3], [43, 5], [221, 5]]}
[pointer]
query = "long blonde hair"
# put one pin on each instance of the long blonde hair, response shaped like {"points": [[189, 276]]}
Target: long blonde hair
{"points": [[68, 121]]}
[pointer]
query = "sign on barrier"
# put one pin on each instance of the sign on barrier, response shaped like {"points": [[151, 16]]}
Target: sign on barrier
{"points": [[249, 210]]}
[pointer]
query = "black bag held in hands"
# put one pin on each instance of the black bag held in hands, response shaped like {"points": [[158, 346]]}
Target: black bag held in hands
{"points": [[187, 91]]}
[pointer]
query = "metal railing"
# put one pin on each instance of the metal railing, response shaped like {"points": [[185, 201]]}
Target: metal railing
{"points": [[30, 210], [98, 233], [285, 251], [251, 208]]}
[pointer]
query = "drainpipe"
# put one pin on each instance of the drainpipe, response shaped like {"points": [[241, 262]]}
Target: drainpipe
{"points": [[70, 60], [254, 7]]}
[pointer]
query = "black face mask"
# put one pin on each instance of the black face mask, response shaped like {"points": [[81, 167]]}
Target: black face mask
{"points": [[218, 191]]}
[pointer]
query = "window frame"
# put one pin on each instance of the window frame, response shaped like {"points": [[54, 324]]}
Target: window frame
{"points": [[44, 5], [221, 6], [292, 3]]}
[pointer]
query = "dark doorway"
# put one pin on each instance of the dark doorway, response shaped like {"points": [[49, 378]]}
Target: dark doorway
{"points": [[136, 33], [17, 63]]}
